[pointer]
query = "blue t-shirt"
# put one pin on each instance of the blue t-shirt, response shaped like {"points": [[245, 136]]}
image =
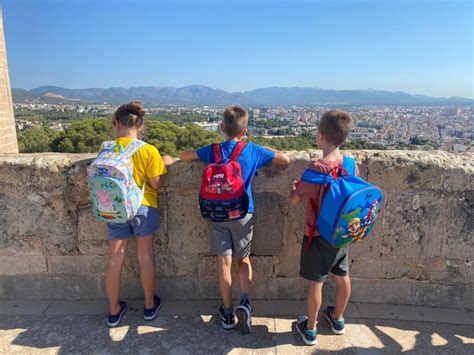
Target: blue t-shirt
{"points": [[252, 158]]}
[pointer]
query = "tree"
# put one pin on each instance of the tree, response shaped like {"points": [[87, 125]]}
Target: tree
{"points": [[35, 139]]}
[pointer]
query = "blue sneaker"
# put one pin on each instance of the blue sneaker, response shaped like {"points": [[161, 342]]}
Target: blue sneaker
{"points": [[309, 337], [227, 321], [114, 320], [337, 326], [244, 316], [151, 313]]}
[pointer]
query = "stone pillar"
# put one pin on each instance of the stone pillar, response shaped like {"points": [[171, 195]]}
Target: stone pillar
{"points": [[8, 142]]}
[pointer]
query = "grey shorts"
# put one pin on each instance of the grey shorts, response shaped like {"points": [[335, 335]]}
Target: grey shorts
{"points": [[233, 237]]}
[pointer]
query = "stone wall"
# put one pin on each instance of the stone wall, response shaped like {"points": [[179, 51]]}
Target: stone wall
{"points": [[420, 253], [8, 142]]}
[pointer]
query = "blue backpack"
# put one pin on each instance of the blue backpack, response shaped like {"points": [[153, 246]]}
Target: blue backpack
{"points": [[349, 207]]}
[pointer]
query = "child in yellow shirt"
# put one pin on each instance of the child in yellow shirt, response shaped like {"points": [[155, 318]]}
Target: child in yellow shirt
{"points": [[148, 169]]}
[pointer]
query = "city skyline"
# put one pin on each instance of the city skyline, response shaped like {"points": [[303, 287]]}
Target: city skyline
{"points": [[419, 47]]}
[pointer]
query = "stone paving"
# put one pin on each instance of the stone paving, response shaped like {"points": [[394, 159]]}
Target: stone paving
{"points": [[58, 327]]}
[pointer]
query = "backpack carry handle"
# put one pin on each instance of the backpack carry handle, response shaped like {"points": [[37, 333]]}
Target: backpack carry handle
{"points": [[335, 172], [112, 145]]}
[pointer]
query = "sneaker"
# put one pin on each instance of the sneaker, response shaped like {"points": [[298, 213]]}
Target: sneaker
{"points": [[114, 320], [337, 326], [244, 316], [308, 339], [228, 321], [151, 313]]}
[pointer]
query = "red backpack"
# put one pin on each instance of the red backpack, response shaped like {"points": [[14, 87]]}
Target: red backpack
{"points": [[223, 196]]}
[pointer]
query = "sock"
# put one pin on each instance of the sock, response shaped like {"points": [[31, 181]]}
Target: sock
{"points": [[311, 332], [244, 296], [228, 311]]}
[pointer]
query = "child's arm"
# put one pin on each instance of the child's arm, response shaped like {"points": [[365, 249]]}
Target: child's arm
{"points": [[188, 156], [280, 158], [157, 181], [294, 198]]}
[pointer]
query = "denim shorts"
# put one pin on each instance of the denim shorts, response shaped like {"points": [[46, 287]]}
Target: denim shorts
{"points": [[146, 222]]}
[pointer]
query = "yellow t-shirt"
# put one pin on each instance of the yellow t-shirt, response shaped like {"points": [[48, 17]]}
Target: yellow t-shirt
{"points": [[147, 162]]}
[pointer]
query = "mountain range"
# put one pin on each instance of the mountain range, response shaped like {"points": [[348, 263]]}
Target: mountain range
{"points": [[204, 95]]}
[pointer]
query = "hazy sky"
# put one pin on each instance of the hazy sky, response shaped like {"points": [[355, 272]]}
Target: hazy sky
{"points": [[423, 47]]}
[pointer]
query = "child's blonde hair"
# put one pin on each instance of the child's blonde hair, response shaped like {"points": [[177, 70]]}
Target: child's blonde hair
{"points": [[335, 125], [235, 120]]}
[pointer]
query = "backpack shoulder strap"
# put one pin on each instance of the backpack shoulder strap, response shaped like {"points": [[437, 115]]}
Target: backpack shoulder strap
{"points": [[349, 165], [316, 177], [216, 148], [107, 145], [133, 147], [239, 147]]}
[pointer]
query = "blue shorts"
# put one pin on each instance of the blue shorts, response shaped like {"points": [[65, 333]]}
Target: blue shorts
{"points": [[146, 222]]}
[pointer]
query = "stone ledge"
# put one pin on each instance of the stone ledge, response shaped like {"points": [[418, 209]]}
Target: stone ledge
{"points": [[419, 252], [400, 292]]}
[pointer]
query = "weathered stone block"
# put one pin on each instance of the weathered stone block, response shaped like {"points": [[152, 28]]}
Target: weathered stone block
{"points": [[288, 265], [183, 175], [24, 246], [294, 223], [457, 241], [94, 247], [172, 265], [459, 175], [406, 231], [378, 268], [276, 288], [407, 170], [208, 289], [269, 238], [46, 217], [77, 265], [187, 231], [90, 228], [22, 265], [456, 272]]}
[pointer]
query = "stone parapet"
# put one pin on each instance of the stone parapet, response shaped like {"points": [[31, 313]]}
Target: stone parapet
{"points": [[420, 252]]}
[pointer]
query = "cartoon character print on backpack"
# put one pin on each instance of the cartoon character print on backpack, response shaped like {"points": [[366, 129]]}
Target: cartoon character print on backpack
{"points": [[218, 184], [360, 226]]}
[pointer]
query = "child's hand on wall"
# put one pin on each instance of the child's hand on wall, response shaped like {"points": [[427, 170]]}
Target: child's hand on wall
{"points": [[168, 160], [294, 185]]}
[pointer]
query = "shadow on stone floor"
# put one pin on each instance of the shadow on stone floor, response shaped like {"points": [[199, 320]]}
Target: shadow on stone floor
{"points": [[377, 335], [201, 334], [88, 334]]}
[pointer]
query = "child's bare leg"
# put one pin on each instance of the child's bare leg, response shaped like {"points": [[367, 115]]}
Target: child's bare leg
{"points": [[117, 252], [245, 274], [315, 296], [343, 292], [224, 264], [147, 268]]}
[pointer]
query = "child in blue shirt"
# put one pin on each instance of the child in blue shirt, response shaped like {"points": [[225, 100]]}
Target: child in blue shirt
{"points": [[234, 237]]}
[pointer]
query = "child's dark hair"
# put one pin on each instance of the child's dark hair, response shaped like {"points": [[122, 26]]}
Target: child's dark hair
{"points": [[235, 120], [335, 125], [130, 115]]}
